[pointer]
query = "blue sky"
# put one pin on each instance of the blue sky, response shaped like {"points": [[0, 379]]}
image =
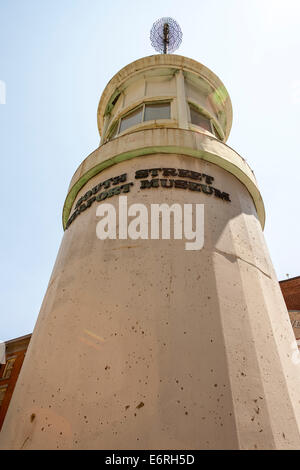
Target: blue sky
{"points": [[56, 57]]}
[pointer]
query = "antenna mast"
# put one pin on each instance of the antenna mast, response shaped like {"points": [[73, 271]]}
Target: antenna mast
{"points": [[166, 37]]}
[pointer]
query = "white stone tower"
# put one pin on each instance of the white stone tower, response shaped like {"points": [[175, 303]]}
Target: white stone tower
{"points": [[141, 344]]}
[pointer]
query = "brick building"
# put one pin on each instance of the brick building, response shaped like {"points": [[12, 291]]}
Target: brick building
{"points": [[291, 292], [9, 372]]}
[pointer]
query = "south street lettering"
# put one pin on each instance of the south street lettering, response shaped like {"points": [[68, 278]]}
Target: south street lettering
{"points": [[149, 178], [183, 184], [105, 184], [171, 172], [123, 189]]}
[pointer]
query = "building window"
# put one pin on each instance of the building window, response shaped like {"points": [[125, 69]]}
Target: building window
{"points": [[199, 120], [114, 131], [2, 393], [155, 111], [8, 368], [145, 112], [131, 119]]}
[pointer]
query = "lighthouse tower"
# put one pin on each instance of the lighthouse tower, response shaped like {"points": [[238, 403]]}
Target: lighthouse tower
{"points": [[141, 343]]}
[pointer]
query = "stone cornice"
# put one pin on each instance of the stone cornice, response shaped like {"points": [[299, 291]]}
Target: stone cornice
{"points": [[160, 141]]}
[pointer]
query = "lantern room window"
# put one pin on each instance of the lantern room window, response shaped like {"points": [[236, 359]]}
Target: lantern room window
{"points": [[8, 368], [155, 111], [143, 113], [131, 119], [199, 120]]}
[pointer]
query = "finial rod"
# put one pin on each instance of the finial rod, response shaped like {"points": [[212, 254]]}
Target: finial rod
{"points": [[166, 37]]}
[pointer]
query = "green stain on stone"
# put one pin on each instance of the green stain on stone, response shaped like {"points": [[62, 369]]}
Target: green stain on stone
{"points": [[201, 154]]}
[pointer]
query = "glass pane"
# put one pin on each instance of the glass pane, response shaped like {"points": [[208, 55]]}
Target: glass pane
{"points": [[135, 117], [199, 120], [157, 111]]}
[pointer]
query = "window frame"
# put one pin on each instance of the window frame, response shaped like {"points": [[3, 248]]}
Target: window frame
{"points": [[131, 112], [215, 130], [203, 114], [114, 127], [7, 367], [117, 127]]}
